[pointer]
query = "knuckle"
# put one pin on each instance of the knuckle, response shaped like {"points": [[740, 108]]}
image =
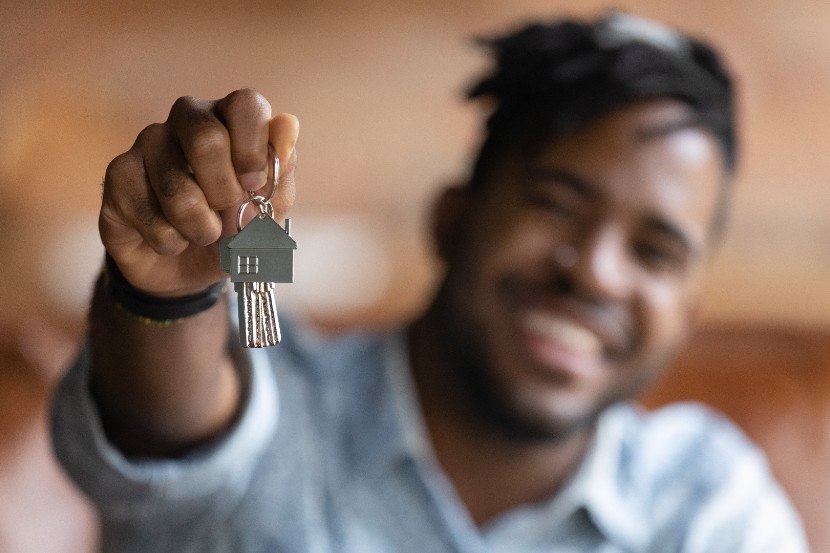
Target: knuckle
{"points": [[124, 171], [207, 143], [247, 106], [184, 104], [144, 209], [118, 170], [183, 208], [172, 183], [246, 113], [190, 114], [248, 100], [149, 136]]}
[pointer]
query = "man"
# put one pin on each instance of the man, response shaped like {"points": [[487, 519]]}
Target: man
{"points": [[497, 421]]}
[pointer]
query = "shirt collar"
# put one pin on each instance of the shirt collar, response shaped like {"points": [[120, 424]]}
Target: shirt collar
{"points": [[603, 485]]}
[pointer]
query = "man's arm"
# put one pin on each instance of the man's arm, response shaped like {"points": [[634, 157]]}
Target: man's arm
{"points": [[166, 204]]}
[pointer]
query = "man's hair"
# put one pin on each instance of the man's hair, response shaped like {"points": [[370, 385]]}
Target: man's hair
{"points": [[551, 79]]}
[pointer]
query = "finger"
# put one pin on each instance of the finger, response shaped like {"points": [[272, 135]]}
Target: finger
{"points": [[205, 144], [181, 200], [246, 114], [284, 131], [131, 218]]}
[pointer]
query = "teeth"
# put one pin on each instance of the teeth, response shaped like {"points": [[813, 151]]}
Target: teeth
{"points": [[567, 333]]}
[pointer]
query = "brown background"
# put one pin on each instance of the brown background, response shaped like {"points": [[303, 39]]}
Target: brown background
{"points": [[377, 88]]}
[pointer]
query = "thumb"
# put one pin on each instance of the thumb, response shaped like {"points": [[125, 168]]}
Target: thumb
{"points": [[284, 129]]}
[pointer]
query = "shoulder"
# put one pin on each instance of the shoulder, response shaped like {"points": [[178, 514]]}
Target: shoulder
{"points": [[685, 443], [693, 430], [701, 480]]}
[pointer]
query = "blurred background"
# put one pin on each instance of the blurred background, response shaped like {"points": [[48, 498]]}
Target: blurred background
{"points": [[377, 86]]}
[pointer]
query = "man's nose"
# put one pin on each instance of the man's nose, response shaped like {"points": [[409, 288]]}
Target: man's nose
{"points": [[598, 264]]}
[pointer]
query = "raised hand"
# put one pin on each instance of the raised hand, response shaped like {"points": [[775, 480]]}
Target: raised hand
{"points": [[169, 199]]}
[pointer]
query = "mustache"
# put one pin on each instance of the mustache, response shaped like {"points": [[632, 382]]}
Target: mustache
{"points": [[607, 317]]}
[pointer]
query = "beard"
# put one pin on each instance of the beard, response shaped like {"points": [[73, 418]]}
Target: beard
{"points": [[463, 339]]}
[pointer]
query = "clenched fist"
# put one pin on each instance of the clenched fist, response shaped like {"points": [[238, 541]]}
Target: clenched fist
{"points": [[169, 199]]}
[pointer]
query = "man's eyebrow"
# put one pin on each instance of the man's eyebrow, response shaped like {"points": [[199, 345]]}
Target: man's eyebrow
{"points": [[557, 175]]}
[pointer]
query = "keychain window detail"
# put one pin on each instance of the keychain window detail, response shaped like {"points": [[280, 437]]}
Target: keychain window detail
{"points": [[248, 265]]}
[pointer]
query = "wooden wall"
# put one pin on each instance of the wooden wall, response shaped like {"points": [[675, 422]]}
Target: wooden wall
{"points": [[377, 88]]}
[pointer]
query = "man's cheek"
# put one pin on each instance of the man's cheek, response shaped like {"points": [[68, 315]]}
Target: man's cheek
{"points": [[670, 311]]}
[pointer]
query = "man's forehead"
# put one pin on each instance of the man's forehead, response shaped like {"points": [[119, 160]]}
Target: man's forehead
{"points": [[651, 130], [618, 134], [656, 117], [657, 120]]}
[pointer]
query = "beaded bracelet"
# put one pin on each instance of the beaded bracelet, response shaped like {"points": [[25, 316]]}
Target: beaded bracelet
{"points": [[154, 310]]}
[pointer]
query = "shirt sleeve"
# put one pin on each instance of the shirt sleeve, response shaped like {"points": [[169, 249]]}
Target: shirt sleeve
{"points": [[204, 485]]}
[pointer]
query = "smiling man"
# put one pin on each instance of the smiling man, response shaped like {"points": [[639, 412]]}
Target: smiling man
{"points": [[500, 420], [572, 278]]}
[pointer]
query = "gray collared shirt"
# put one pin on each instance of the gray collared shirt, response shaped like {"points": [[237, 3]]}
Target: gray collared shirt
{"points": [[336, 459]]}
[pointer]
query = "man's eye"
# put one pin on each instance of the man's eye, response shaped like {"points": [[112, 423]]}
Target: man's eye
{"points": [[552, 204], [660, 257]]}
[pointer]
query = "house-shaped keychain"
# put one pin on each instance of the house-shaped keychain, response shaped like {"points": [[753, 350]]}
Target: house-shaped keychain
{"points": [[261, 254]]}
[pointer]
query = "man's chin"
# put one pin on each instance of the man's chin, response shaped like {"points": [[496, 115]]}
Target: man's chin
{"points": [[531, 418]]}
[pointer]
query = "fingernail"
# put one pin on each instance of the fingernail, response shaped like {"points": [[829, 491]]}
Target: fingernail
{"points": [[253, 180]]}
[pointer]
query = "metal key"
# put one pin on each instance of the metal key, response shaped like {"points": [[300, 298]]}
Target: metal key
{"points": [[261, 254], [258, 323]]}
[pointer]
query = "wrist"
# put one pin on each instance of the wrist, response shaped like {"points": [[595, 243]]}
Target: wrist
{"points": [[155, 310]]}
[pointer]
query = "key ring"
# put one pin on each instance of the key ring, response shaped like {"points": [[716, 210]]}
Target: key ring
{"points": [[273, 175], [262, 203]]}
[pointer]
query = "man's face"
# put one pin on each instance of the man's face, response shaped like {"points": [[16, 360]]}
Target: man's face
{"points": [[573, 276]]}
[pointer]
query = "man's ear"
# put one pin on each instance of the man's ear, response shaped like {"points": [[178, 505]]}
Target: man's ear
{"points": [[449, 213]]}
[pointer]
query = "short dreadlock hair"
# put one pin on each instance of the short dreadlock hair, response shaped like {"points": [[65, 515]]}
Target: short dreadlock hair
{"points": [[552, 78]]}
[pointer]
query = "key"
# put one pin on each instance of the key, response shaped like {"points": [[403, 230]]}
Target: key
{"points": [[258, 322], [260, 255]]}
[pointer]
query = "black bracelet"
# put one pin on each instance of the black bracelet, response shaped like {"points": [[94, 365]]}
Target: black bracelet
{"points": [[154, 310]]}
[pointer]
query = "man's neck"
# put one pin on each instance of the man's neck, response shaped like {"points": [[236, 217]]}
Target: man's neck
{"points": [[492, 471]]}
